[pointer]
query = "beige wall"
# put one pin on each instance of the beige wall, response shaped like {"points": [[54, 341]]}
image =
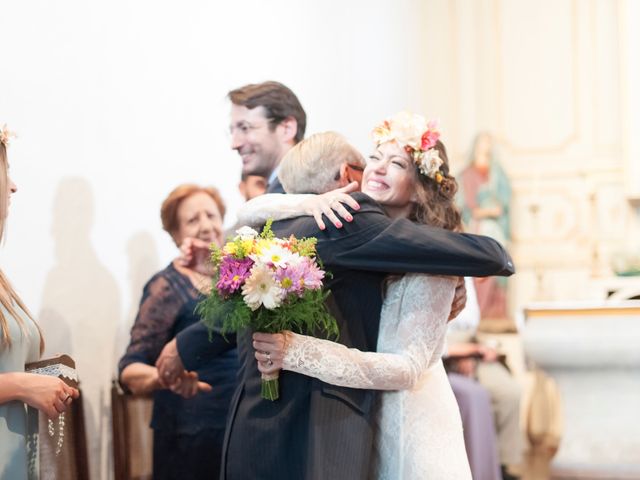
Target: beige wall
{"points": [[552, 80]]}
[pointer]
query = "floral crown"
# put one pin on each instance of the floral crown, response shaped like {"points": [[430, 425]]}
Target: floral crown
{"points": [[6, 135], [417, 136]]}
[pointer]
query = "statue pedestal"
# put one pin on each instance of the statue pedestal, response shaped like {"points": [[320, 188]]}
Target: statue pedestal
{"points": [[592, 350]]}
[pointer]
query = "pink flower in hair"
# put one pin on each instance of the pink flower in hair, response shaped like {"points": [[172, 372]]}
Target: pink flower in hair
{"points": [[430, 136]]}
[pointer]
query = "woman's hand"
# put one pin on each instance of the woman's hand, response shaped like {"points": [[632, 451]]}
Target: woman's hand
{"points": [[270, 350], [488, 353], [188, 385], [329, 202], [169, 364], [195, 254], [143, 379], [48, 394]]}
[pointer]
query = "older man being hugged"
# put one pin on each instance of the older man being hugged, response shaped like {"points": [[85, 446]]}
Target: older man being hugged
{"points": [[317, 430]]}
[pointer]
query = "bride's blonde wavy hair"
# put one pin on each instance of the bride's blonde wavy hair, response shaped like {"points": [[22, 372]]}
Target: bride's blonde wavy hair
{"points": [[8, 296]]}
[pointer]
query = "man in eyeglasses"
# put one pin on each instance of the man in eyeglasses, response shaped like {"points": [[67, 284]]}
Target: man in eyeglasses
{"points": [[267, 119]]}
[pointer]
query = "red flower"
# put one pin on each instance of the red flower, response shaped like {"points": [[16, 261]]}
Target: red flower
{"points": [[429, 139]]}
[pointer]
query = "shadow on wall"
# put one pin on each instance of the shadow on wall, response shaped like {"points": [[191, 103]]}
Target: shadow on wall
{"points": [[142, 255], [81, 311]]}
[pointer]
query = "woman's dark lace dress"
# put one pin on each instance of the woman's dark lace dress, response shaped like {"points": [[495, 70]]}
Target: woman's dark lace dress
{"points": [[188, 433]]}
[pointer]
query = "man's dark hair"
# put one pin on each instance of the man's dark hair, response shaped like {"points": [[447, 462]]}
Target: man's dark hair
{"points": [[278, 101]]}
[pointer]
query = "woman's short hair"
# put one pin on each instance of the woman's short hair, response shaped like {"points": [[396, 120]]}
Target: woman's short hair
{"points": [[169, 209], [313, 165]]}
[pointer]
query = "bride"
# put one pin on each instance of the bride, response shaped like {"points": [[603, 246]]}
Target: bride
{"points": [[419, 430]]}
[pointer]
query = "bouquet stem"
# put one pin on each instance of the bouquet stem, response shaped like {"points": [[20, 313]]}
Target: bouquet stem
{"points": [[270, 386]]}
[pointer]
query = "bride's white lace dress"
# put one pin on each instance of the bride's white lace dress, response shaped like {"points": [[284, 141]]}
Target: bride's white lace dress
{"points": [[419, 430]]}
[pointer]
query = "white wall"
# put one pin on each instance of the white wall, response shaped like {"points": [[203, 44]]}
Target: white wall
{"points": [[117, 102]]}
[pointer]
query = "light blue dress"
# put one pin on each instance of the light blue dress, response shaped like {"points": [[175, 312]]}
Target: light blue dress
{"points": [[18, 459]]}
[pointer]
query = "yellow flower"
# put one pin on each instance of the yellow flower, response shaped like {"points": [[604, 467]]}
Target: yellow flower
{"points": [[262, 244], [239, 247], [229, 248], [248, 246]]}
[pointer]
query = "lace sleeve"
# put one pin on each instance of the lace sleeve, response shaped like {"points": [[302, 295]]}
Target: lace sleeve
{"points": [[424, 308], [153, 326], [277, 206]]}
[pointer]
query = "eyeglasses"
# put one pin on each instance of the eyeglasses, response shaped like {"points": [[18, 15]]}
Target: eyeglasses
{"points": [[245, 127]]}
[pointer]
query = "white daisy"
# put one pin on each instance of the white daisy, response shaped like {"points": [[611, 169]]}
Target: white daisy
{"points": [[276, 255], [261, 288]]}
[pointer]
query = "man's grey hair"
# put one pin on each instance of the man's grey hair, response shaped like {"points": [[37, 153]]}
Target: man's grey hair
{"points": [[313, 165]]}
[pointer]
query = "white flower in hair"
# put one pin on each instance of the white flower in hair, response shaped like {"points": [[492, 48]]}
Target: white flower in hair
{"points": [[430, 163], [407, 129]]}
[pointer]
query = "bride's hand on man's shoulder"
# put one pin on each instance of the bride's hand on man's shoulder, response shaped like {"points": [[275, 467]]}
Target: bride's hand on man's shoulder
{"points": [[330, 204]]}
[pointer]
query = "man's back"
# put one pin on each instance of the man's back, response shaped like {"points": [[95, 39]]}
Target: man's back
{"points": [[311, 420]]}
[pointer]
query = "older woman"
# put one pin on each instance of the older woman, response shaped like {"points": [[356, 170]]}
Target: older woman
{"points": [[188, 428], [20, 342]]}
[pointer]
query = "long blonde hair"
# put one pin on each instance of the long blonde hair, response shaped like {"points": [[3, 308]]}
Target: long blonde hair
{"points": [[8, 296]]}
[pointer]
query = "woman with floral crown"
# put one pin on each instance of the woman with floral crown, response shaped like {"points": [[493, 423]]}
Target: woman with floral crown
{"points": [[419, 430], [21, 342]]}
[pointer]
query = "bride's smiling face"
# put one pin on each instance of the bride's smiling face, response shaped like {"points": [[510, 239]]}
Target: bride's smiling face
{"points": [[390, 178]]}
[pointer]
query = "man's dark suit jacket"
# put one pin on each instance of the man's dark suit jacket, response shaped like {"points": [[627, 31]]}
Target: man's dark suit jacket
{"points": [[275, 186], [316, 430]]}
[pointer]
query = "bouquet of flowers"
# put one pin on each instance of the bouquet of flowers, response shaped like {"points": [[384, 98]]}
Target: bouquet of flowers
{"points": [[267, 284]]}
